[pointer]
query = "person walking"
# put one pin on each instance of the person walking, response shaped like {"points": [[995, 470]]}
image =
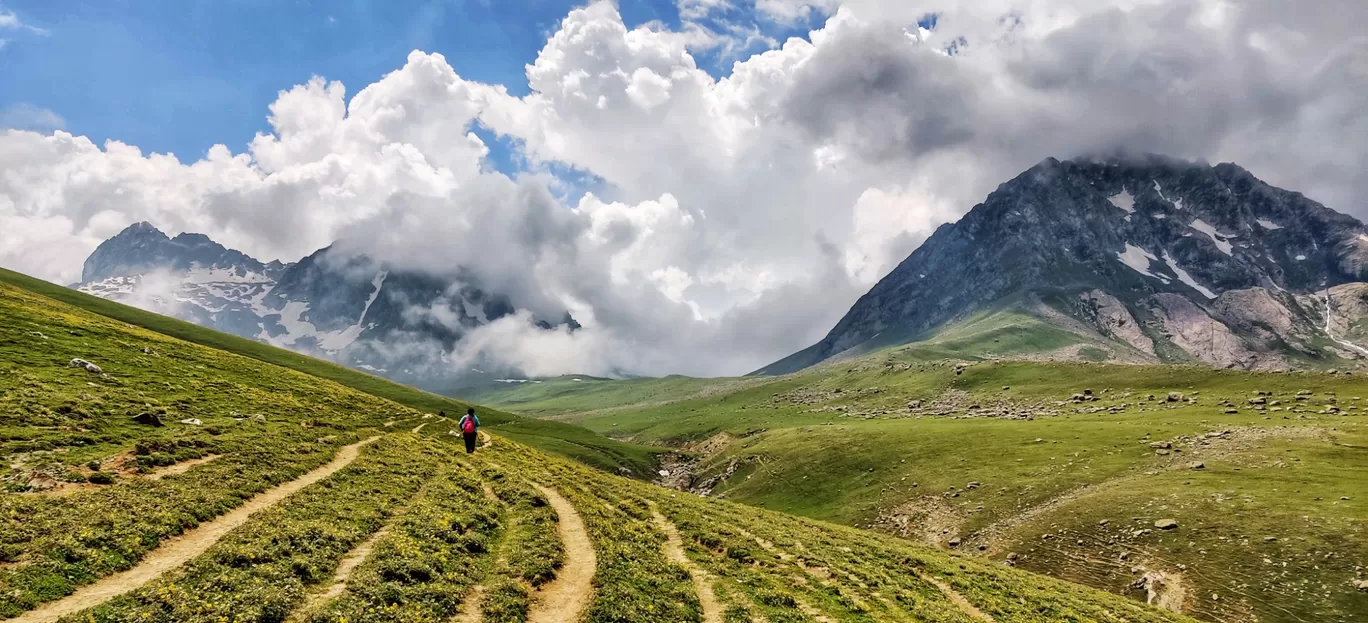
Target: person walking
{"points": [[470, 426]]}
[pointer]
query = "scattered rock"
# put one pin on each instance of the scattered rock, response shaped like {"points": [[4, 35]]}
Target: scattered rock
{"points": [[1162, 452], [1196, 465], [1161, 445], [1361, 585], [955, 542], [1166, 524], [259, 418], [973, 485], [1175, 397], [1258, 400], [191, 421], [914, 404], [148, 419]]}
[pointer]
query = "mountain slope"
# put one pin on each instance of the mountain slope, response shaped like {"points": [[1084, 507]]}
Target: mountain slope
{"points": [[1149, 253], [572, 441], [109, 518]]}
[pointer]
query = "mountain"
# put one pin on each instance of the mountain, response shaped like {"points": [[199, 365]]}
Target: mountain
{"points": [[350, 308], [1137, 259]]}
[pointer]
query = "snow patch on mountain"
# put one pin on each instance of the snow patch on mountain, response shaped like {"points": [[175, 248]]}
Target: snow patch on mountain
{"points": [[1123, 200], [1216, 236], [1184, 277], [1269, 225], [1139, 260]]}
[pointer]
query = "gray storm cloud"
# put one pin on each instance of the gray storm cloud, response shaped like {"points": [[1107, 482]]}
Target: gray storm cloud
{"points": [[746, 213]]}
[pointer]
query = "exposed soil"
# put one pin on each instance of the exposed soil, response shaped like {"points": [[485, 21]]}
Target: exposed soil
{"points": [[563, 599], [674, 551]]}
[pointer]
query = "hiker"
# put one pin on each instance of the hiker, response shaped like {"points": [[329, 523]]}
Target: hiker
{"points": [[469, 424]]}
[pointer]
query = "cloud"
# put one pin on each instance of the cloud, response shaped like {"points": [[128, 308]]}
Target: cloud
{"points": [[741, 216], [30, 117], [10, 21]]}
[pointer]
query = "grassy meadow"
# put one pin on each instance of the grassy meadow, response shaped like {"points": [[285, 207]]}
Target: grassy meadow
{"points": [[1061, 468]]}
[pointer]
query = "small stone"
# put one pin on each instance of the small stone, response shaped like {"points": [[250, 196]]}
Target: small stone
{"points": [[1361, 585], [147, 419], [1166, 524], [1104, 522], [955, 542], [1175, 397], [1196, 465], [191, 421], [1161, 444]]}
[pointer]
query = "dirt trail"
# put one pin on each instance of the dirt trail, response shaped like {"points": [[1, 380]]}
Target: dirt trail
{"points": [[956, 598], [564, 598], [485, 439], [419, 427], [674, 550], [176, 551], [349, 563], [471, 608], [181, 467]]}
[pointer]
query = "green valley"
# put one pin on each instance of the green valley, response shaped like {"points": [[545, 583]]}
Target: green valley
{"points": [[1226, 495]]}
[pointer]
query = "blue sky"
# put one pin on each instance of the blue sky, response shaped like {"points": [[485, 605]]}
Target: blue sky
{"points": [[182, 75]]}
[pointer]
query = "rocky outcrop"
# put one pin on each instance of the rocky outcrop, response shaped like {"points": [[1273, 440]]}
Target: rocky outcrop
{"points": [[1205, 338], [1116, 321]]}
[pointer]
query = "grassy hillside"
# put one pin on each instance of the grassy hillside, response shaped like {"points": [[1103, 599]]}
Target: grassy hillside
{"points": [[1265, 474], [182, 483], [563, 439]]}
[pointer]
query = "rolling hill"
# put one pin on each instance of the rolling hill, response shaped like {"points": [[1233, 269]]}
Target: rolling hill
{"points": [[162, 479]]}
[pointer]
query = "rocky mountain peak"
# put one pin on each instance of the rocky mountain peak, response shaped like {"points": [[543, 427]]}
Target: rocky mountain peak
{"points": [[1132, 227], [141, 248]]}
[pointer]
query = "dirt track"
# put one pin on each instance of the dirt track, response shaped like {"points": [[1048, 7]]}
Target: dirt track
{"points": [[564, 598]]}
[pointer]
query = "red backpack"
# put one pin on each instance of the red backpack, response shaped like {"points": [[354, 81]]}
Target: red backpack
{"points": [[467, 424]]}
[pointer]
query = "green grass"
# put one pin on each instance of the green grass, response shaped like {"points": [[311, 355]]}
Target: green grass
{"points": [[561, 438], [839, 443]]}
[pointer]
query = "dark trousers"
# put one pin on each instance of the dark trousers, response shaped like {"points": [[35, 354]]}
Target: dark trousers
{"points": [[470, 441]]}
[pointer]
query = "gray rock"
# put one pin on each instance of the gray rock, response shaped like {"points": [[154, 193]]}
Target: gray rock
{"points": [[148, 419], [1166, 524], [1175, 397]]}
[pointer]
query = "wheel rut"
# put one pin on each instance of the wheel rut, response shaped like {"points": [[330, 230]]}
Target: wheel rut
{"points": [[176, 551], [563, 599], [674, 551], [956, 598], [349, 563]]}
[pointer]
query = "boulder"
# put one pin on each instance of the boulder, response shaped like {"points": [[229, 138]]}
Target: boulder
{"points": [[1175, 397], [1166, 524], [148, 419], [89, 367]]}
